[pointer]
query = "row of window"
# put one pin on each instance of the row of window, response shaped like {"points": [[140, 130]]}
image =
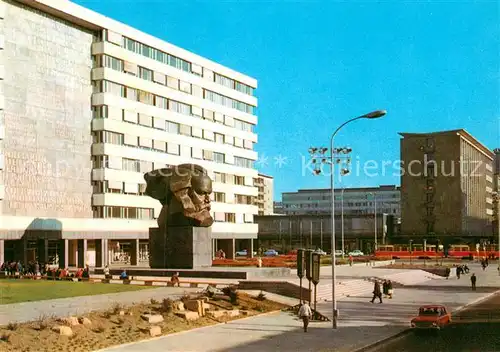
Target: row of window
{"points": [[238, 198], [134, 165], [102, 112], [105, 86], [184, 65], [170, 148], [104, 212], [114, 212], [118, 187], [171, 82], [174, 128]]}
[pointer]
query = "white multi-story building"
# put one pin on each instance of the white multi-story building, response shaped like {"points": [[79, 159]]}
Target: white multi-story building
{"points": [[264, 199], [354, 201], [88, 106]]}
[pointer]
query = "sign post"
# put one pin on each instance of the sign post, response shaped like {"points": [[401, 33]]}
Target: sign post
{"points": [[316, 264], [300, 269], [308, 261]]}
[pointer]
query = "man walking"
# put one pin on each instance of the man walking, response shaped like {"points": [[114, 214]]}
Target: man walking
{"points": [[377, 292], [305, 313], [473, 279]]}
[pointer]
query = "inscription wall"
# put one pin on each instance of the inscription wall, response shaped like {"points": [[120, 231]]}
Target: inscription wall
{"points": [[47, 115]]}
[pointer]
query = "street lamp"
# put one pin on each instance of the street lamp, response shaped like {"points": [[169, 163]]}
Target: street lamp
{"points": [[375, 213], [496, 200], [321, 154], [342, 214]]}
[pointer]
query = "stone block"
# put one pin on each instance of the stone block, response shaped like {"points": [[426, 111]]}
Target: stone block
{"points": [[217, 314], [179, 306], [195, 306], [155, 331], [85, 321], [152, 318], [63, 330], [190, 316], [233, 313], [184, 247], [70, 321], [206, 306]]}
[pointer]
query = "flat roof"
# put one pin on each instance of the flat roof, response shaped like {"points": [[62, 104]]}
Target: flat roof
{"points": [[86, 18], [266, 176], [461, 132], [351, 189]]}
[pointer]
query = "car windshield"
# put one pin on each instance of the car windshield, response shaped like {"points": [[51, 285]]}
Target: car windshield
{"points": [[429, 311]]}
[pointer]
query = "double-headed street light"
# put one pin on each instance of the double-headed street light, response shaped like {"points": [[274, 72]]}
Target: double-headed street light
{"points": [[327, 156]]}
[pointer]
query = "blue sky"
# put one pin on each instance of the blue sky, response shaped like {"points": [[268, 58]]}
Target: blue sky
{"points": [[431, 65]]}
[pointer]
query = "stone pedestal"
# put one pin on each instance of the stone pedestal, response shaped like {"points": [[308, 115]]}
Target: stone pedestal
{"points": [[180, 247]]}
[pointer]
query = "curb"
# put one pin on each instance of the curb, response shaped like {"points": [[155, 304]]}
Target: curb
{"points": [[111, 348], [405, 332]]}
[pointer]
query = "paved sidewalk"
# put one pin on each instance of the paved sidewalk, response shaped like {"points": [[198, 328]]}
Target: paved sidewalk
{"points": [[29, 311], [361, 323], [276, 332]]}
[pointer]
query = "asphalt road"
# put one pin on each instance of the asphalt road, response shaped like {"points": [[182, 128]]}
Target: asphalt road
{"points": [[475, 329]]}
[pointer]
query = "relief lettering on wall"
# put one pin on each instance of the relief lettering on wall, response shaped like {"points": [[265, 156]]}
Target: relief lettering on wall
{"points": [[47, 116]]}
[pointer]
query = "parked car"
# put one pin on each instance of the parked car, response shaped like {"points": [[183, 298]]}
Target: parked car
{"points": [[320, 251], [356, 253], [244, 253], [433, 317], [339, 252], [270, 253]]}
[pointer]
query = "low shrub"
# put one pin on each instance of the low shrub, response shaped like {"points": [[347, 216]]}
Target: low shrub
{"points": [[12, 326], [261, 296]]}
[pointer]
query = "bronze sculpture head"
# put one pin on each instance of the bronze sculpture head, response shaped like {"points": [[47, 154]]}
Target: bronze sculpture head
{"points": [[184, 191]]}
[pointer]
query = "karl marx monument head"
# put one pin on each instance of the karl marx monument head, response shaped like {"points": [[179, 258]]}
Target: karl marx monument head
{"points": [[184, 191]]}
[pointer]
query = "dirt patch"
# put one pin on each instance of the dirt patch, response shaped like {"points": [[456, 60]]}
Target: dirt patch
{"points": [[121, 325]]}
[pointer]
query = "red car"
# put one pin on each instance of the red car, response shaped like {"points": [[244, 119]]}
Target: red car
{"points": [[431, 317]]}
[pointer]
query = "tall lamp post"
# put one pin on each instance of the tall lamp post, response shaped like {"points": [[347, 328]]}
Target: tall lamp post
{"points": [[342, 214], [375, 218], [321, 155], [496, 200]]}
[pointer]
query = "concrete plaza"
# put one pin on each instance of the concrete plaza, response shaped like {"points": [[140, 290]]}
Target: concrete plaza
{"points": [[361, 322]]}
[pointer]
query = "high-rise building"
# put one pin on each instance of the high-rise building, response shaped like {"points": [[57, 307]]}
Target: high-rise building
{"points": [[264, 199], [446, 186], [356, 201], [88, 105]]}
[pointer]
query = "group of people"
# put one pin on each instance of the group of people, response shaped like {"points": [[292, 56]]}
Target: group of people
{"points": [[459, 270], [36, 269], [387, 290], [221, 254]]}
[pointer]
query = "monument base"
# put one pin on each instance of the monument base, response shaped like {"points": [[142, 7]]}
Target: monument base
{"points": [[184, 247]]}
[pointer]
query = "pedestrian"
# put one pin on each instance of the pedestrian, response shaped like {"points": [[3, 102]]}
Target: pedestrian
{"points": [[448, 271], [305, 313], [385, 289], [377, 292], [473, 280], [390, 290], [458, 272], [175, 280]]}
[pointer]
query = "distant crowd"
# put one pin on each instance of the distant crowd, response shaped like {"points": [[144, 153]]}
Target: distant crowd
{"points": [[37, 269]]}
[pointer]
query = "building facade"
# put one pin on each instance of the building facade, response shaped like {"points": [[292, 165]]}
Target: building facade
{"points": [[264, 199], [88, 105], [278, 208], [356, 201], [289, 232], [446, 187]]}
